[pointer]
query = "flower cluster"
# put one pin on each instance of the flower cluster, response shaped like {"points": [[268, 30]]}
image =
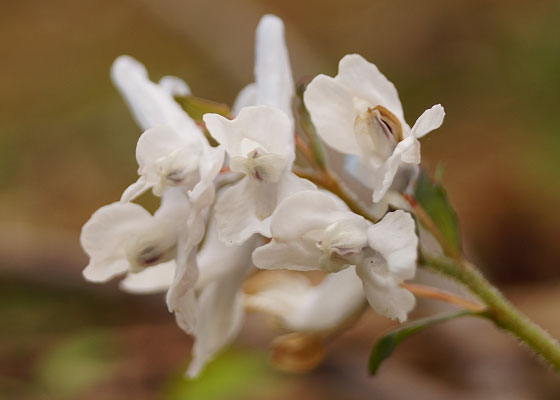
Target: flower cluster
{"points": [[234, 205]]}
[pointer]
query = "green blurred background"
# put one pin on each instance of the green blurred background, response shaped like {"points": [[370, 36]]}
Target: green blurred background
{"points": [[67, 147]]}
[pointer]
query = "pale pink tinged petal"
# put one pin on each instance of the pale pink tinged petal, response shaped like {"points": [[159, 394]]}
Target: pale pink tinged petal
{"points": [[174, 86], [245, 98], [104, 239], [273, 74], [294, 255], [384, 294], [156, 279], [236, 213], [332, 111], [303, 212], [394, 237], [363, 79], [429, 120], [386, 173], [151, 105], [265, 125]]}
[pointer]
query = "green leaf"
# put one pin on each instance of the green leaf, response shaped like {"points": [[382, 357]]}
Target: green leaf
{"points": [[197, 107], [433, 199], [385, 346]]}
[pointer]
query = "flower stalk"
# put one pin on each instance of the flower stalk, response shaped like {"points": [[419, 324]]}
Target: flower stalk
{"points": [[500, 310]]}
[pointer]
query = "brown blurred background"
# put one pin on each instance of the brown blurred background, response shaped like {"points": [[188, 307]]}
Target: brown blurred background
{"points": [[67, 147]]}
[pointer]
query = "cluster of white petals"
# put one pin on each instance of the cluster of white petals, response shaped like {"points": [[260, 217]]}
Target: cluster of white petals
{"points": [[209, 234]]}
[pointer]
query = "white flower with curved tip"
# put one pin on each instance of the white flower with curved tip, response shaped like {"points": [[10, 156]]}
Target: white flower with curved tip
{"points": [[124, 237], [359, 112], [312, 230], [274, 85], [259, 146], [299, 306]]}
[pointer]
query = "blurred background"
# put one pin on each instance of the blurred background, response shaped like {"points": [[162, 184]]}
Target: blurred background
{"points": [[67, 147]]}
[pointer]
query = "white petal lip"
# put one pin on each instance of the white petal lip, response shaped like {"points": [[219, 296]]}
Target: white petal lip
{"points": [[220, 304], [332, 112], [303, 212], [293, 255], [395, 238], [430, 120], [268, 126], [364, 80], [236, 213], [386, 173], [303, 307], [273, 74], [174, 86], [385, 295], [104, 237], [156, 279], [150, 103]]}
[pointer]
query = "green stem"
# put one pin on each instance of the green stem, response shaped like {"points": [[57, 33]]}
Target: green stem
{"points": [[500, 310]]}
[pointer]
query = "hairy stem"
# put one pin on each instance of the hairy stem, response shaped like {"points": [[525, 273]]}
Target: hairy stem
{"points": [[500, 310]]}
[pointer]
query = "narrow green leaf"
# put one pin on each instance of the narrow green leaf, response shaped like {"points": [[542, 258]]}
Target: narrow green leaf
{"points": [[433, 199], [197, 107], [385, 346]]}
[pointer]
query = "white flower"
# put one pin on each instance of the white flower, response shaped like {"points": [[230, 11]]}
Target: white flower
{"points": [[359, 112], [313, 230], [302, 307], [273, 85], [124, 237], [168, 159], [173, 151], [258, 142]]}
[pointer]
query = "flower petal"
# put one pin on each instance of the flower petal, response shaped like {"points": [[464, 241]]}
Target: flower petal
{"points": [[306, 308], [332, 112], [174, 86], [429, 120], [273, 74], [151, 104], [394, 237], [294, 255], [363, 79], [156, 279], [265, 125], [245, 98], [104, 239], [303, 212], [384, 294], [408, 150], [236, 213], [220, 304]]}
